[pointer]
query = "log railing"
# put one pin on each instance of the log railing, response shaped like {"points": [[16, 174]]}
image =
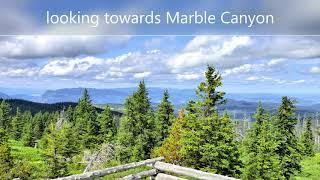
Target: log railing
{"points": [[104, 172], [159, 170], [179, 170]]}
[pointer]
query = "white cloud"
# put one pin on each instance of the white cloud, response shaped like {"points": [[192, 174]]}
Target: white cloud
{"points": [[275, 80], [253, 78], [229, 52], [126, 66], [208, 49], [190, 76], [246, 68], [19, 72], [141, 75], [315, 70], [67, 67], [297, 81], [250, 68], [274, 62], [271, 79], [26, 47]]}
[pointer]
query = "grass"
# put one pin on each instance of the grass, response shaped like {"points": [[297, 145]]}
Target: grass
{"points": [[310, 168], [33, 156]]}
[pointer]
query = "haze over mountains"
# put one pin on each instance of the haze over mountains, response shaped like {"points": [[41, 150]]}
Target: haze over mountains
{"points": [[4, 96], [239, 102]]}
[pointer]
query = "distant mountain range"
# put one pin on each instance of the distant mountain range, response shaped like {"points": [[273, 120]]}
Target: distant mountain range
{"points": [[237, 102], [4, 96], [114, 96]]}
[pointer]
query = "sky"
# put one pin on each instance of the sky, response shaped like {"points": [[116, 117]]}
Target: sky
{"points": [[264, 64], [267, 64]]}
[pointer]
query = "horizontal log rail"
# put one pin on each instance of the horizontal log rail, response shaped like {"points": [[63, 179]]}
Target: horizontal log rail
{"points": [[140, 175], [184, 171], [104, 172], [162, 176], [158, 171]]}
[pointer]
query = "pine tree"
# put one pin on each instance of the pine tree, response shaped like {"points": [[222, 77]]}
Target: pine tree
{"points": [[164, 117], [70, 114], [28, 138], [210, 98], [68, 141], [56, 162], [6, 160], [252, 138], [192, 107], [209, 141], [27, 116], [171, 146], [150, 135], [258, 151], [39, 125], [108, 126], [61, 146], [135, 139], [209, 144], [4, 115], [17, 125], [307, 140], [287, 148], [86, 123]]}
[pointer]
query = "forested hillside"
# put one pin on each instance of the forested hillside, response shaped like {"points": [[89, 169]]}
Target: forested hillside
{"points": [[57, 142], [35, 107]]}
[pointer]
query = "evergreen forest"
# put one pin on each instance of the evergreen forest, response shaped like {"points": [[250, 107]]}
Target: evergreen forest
{"points": [[40, 142]]}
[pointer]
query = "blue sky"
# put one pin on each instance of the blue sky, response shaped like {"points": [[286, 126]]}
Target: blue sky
{"points": [[267, 64], [270, 64]]}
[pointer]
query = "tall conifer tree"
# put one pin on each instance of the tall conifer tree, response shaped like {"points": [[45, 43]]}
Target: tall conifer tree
{"points": [[287, 149], [28, 137], [207, 91], [307, 139], [56, 161], [61, 145], [86, 123], [108, 126], [135, 138], [209, 141], [164, 117], [259, 156], [171, 146], [4, 114], [6, 160], [17, 125]]}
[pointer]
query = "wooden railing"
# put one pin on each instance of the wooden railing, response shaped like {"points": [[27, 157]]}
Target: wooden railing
{"points": [[158, 171], [179, 170]]}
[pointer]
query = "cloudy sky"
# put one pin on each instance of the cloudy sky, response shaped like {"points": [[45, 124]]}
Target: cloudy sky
{"points": [[277, 64]]}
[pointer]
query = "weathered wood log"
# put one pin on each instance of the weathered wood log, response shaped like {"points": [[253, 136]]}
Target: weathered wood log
{"points": [[89, 165], [179, 170], [103, 172], [140, 175], [162, 176]]}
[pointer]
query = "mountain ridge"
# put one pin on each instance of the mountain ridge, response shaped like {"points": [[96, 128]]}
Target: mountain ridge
{"points": [[237, 102]]}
